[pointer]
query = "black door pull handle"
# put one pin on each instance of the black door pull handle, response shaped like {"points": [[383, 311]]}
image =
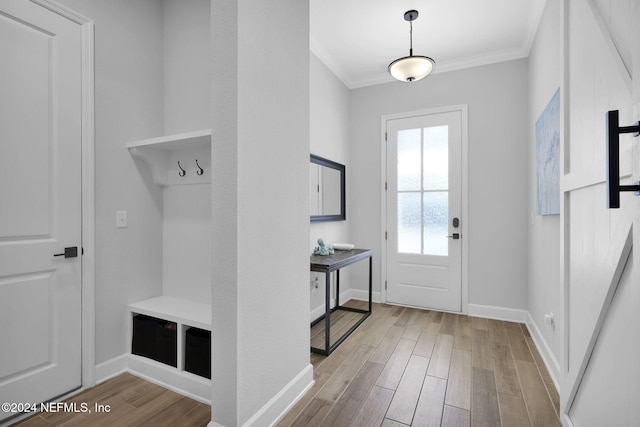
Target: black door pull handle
{"points": [[70, 252], [614, 130]]}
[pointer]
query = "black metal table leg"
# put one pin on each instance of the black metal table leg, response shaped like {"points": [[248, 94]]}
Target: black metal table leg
{"points": [[370, 283], [337, 288], [327, 312]]}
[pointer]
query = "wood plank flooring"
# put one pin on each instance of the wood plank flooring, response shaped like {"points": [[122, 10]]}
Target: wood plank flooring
{"points": [[132, 401], [408, 367], [402, 367]]}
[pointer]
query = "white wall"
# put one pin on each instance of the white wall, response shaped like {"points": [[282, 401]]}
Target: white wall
{"points": [[329, 138], [260, 253], [187, 65], [545, 283], [186, 239], [187, 107], [128, 106], [497, 224]]}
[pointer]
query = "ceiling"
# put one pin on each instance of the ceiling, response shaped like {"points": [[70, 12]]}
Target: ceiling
{"points": [[357, 39]]}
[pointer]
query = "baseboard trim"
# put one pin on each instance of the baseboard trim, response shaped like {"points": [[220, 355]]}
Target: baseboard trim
{"points": [[111, 368], [185, 383], [345, 296], [552, 364], [360, 295], [277, 407], [199, 389], [498, 313], [522, 316], [319, 311], [566, 420]]}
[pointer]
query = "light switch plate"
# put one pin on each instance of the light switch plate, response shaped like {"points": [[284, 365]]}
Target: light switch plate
{"points": [[121, 219]]}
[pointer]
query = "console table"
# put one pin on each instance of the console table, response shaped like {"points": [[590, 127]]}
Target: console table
{"points": [[327, 264]]}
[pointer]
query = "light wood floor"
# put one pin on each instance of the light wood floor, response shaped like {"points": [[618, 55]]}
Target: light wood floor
{"points": [[132, 402], [401, 367], [405, 366]]}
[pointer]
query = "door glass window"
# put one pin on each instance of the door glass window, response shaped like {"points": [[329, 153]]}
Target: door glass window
{"points": [[423, 193], [409, 154]]}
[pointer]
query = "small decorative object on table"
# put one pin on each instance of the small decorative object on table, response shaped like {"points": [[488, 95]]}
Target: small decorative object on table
{"points": [[321, 249], [343, 246]]}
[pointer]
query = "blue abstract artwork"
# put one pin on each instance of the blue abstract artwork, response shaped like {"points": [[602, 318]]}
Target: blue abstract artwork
{"points": [[548, 158]]}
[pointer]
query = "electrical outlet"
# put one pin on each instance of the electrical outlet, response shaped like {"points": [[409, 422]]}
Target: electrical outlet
{"points": [[550, 320], [315, 282]]}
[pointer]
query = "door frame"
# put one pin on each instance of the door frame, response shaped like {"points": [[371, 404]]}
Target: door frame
{"points": [[464, 194], [88, 189]]}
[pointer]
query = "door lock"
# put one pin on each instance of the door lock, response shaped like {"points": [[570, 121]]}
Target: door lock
{"points": [[70, 252]]}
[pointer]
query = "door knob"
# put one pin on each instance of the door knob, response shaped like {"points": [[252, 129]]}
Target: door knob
{"points": [[454, 236], [70, 252]]}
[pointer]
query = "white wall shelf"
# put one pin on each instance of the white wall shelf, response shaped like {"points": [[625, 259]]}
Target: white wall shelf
{"points": [[180, 311], [162, 155]]}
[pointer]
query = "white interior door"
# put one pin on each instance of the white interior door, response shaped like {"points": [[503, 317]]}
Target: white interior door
{"points": [[601, 245], [424, 262], [40, 203]]}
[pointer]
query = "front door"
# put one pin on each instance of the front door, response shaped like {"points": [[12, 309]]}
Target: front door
{"points": [[40, 204], [424, 262]]}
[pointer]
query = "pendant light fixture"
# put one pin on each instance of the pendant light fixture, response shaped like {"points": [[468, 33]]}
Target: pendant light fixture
{"points": [[413, 67]]}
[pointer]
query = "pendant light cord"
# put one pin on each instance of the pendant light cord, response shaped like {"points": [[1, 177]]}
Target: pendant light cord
{"points": [[411, 38]]}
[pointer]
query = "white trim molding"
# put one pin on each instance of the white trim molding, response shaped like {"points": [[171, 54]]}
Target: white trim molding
{"points": [[88, 207], [284, 400], [549, 359], [498, 313], [199, 388], [523, 316], [88, 185]]}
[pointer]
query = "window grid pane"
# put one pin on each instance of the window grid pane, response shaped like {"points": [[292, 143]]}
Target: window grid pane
{"points": [[409, 155], [410, 223], [436, 223], [423, 197], [435, 167]]}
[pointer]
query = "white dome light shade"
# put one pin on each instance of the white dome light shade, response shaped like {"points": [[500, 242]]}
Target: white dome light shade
{"points": [[411, 68]]}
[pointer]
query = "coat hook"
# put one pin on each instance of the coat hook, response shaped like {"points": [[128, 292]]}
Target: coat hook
{"points": [[182, 171], [200, 171]]}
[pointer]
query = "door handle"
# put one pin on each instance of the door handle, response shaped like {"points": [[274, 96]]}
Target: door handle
{"points": [[70, 252], [454, 236], [613, 159]]}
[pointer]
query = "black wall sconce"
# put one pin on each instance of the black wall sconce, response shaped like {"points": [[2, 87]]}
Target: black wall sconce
{"points": [[613, 159]]}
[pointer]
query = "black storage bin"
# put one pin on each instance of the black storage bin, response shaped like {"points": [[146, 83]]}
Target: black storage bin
{"points": [[197, 355], [155, 338]]}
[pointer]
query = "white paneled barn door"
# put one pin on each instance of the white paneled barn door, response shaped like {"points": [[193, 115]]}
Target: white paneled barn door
{"points": [[601, 256], [44, 97]]}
